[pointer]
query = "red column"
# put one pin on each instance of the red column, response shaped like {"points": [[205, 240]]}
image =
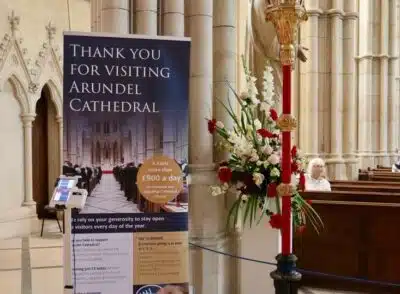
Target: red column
{"points": [[286, 164]]}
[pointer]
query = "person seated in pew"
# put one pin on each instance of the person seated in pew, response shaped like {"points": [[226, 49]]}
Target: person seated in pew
{"points": [[315, 177], [396, 165]]}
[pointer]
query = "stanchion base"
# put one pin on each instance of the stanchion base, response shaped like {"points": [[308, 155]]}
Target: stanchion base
{"points": [[286, 278], [68, 289]]}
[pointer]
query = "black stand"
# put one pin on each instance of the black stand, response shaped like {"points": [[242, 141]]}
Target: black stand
{"points": [[286, 278]]}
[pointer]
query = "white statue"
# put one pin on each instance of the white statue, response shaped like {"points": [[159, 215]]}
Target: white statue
{"points": [[264, 46]]}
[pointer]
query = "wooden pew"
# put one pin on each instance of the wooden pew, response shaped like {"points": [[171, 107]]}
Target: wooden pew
{"points": [[360, 239], [371, 183]]}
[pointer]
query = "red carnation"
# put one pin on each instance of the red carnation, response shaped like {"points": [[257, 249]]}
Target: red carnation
{"points": [[212, 125], [294, 167], [275, 221], [265, 133], [294, 151], [271, 190], [300, 230], [273, 114], [302, 181], [224, 174]]}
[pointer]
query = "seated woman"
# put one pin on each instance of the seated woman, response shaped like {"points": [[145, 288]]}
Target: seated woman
{"points": [[315, 180], [396, 167]]}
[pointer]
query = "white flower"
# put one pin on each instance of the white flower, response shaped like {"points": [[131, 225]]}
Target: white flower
{"points": [[244, 95], [244, 197], [220, 125], [267, 150], [273, 159], [266, 164], [216, 190], [264, 106], [225, 187], [275, 172], [252, 89], [258, 178], [254, 156], [268, 92], [257, 124], [259, 163]]}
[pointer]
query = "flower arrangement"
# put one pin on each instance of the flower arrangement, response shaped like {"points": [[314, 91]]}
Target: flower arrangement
{"points": [[253, 169]]}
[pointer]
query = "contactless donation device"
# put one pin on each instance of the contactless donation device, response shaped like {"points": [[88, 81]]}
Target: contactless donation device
{"points": [[67, 195]]}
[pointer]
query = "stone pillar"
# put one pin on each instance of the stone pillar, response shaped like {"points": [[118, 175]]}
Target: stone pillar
{"points": [[207, 217], [27, 120], [146, 17], [383, 99], [146, 24], [173, 17], [224, 41], [365, 83], [93, 16], [98, 4], [309, 74], [224, 59], [173, 13], [115, 16], [60, 122], [335, 161], [393, 73], [349, 88]]}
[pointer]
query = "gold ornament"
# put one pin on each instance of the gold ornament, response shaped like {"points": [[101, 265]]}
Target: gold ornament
{"points": [[284, 189], [286, 123], [286, 16]]}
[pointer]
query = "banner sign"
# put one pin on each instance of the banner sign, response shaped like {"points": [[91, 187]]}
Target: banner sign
{"points": [[126, 134]]}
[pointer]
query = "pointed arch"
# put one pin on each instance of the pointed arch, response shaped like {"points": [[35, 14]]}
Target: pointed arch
{"points": [[20, 92], [55, 95]]}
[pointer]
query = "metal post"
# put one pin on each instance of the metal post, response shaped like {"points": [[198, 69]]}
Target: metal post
{"points": [[286, 16]]}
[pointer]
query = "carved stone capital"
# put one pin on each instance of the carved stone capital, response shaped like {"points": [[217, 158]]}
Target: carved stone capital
{"points": [[286, 123], [60, 120], [27, 119]]}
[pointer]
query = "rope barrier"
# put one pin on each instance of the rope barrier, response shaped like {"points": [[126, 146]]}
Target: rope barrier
{"points": [[303, 271]]}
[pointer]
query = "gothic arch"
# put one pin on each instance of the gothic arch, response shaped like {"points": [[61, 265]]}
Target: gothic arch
{"points": [[48, 71], [19, 92], [55, 96], [14, 69]]}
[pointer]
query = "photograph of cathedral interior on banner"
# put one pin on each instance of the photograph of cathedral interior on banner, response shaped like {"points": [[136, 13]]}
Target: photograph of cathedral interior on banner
{"points": [[107, 149]]}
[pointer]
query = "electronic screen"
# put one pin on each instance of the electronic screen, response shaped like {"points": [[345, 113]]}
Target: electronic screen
{"points": [[63, 189], [61, 195], [66, 184]]}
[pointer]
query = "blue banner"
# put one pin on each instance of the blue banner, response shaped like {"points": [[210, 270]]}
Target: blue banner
{"points": [[126, 136]]}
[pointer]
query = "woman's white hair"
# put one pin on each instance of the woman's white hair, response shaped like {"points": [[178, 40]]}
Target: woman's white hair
{"points": [[316, 161]]}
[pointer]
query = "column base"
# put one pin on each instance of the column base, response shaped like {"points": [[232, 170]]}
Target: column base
{"points": [[335, 167], [286, 278], [29, 203]]}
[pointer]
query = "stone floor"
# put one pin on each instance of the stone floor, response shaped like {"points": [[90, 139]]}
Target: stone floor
{"points": [[34, 264], [107, 197]]}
